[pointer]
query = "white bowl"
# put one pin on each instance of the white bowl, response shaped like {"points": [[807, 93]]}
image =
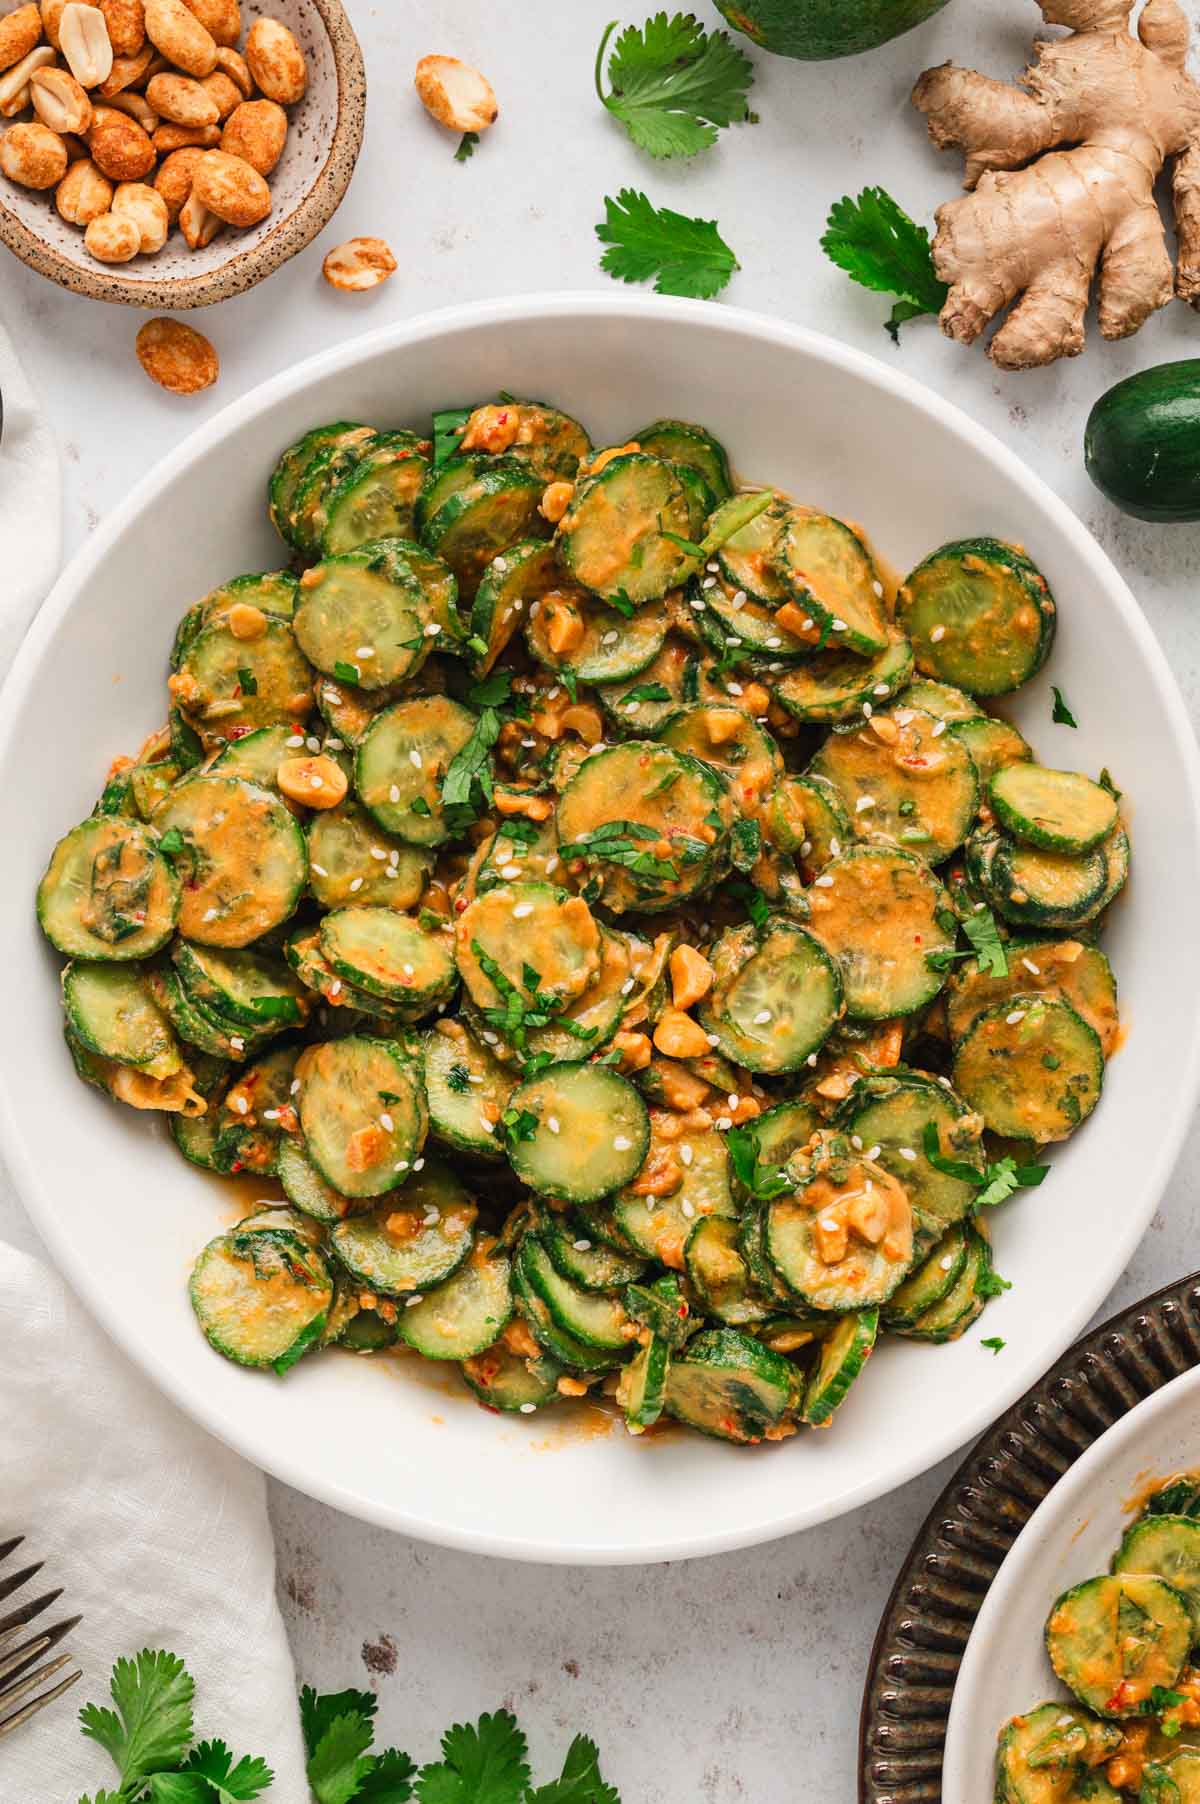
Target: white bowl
{"points": [[124, 1216], [1071, 1536]]}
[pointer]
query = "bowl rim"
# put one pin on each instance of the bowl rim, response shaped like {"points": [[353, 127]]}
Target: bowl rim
{"points": [[248, 266], [855, 365]]}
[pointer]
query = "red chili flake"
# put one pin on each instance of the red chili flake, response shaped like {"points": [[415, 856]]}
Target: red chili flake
{"points": [[237, 733], [460, 906], [916, 939], [683, 1311]]}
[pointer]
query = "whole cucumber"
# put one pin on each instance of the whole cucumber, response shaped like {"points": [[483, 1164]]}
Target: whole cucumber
{"points": [[1141, 444]]}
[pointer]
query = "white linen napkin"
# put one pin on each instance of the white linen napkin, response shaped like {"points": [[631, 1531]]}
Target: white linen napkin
{"points": [[158, 1535]]}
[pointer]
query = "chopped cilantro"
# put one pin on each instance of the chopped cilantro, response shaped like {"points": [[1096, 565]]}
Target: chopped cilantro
{"points": [[646, 692], [346, 673], [994, 1183], [448, 428], [1060, 713], [247, 681], [466, 147], [994, 1344]]}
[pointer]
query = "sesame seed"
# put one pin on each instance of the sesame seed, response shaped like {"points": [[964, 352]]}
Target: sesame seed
{"points": [[733, 1100], [939, 632], [295, 1087], [627, 986], [1018, 1014], [552, 864], [878, 588], [364, 651], [609, 638], [945, 1083], [407, 970], [839, 626], [333, 745], [238, 1044], [241, 1105], [333, 695], [394, 793], [490, 1039], [805, 848], [621, 1143], [867, 710], [697, 605], [510, 870], [824, 883], [906, 1152], [386, 1123], [762, 1017], [315, 783], [489, 1127], [335, 988], [379, 853], [835, 846], [946, 1262], [418, 1164], [356, 883], [582, 1246], [552, 1122], [432, 1218], [210, 914], [415, 759], [880, 689], [393, 859], [473, 1079], [552, 695], [686, 1154], [1030, 966], [527, 1409], [735, 688], [874, 1152], [903, 716], [296, 739], [712, 566], [811, 1059], [829, 1226], [411, 1302], [773, 643], [739, 601], [938, 730], [432, 630], [723, 1124], [863, 803], [856, 1142], [521, 910], [733, 640], [713, 1039], [806, 626], [401, 1165], [529, 744], [710, 582], [500, 563]]}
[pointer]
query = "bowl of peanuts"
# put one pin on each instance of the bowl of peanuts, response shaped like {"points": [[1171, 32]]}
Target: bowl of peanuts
{"points": [[172, 153]]}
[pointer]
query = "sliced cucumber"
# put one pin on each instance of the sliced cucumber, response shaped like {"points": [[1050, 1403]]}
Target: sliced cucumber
{"points": [[402, 760], [111, 1009], [833, 577], [1033, 888], [749, 558], [845, 1239], [570, 630], [196, 1136], [351, 860], [585, 1261], [391, 956], [362, 1112], [256, 757], [949, 1318], [377, 499], [507, 1381], [638, 708], [1031, 1066], [930, 1283], [590, 1133], [321, 479], [306, 1188], [663, 1309], [838, 685], [481, 520], [904, 779], [1173, 1781], [1045, 1756], [108, 892], [242, 855], [1077, 973], [720, 1276], [227, 686], [889, 1113], [362, 617], [550, 1335], [658, 1225], [467, 1090], [805, 815], [844, 1353], [462, 1316], [1168, 1547], [726, 737], [679, 442], [401, 1247], [1112, 1640], [779, 1132], [980, 616], [992, 743], [594, 1318], [261, 1298], [289, 472], [243, 988], [500, 934], [880, 914], [642, 1391], [193, 1023], [741, 629], [510, 588], [254, 1112], [551, 443], [943, 701], [774, 998], [1057, 810], [730, 1386], [612, 537]]}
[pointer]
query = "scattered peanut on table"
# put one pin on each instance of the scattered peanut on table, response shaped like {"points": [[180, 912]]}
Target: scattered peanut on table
{"points": [[359, 264], [144, 117], [176, 356]]}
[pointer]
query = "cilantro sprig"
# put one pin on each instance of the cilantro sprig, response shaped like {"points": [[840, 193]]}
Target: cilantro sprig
{"points": [[1060, 714], [646, 243], [523, 1008], [881, 248], [761, 1182], [623, 843], [467, 784], [986, 946], [148, 1736], [673, 85], [994, 1183]]}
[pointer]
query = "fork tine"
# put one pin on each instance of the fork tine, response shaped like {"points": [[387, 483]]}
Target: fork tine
{"points": [[38, 1644], [31, 1679], [16, 1619], [9, 1723], [7, 1547], [14, 1583]]}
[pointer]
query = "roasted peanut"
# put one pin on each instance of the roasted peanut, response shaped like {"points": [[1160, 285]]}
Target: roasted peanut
{"points": [[224, 91], [126, 21], [181, 100], [126, 72], [231, 189], [83, 40], [276, 61], [555, 501], [14, 83], [198, 225], [246, 621], [139, 108], [20, 31], [679, 1036], [122, 149], [148, 211], [256, 131], [20, 102], [222, 19], [33, 155], [235, 66], [634, 1049], [180, 36], [83, 194], [177, 357], [316, 782], [691, 976], [359, 264], [455, 94], [52, 12], [186, 137], [59, 101], [173, 179], [112, 239]]}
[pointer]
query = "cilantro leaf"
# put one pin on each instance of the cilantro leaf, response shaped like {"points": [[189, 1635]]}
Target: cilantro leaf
{"points": [[247, 681], [1060, 713], [994, 1344], [646, 692], [458, 1079], [467, 784], [994, 1183], [981, 929], [490, 691], [483, 1763], [991, 1284], [337, 1767], [466, 147], [519, 1124], [171, 843], [389, 1780], [683, 256], [762, 1182], [581, 1782], [1104, 779], [318, 1710], [448, 428], [881, 248], [232, 1783], [346, 673], [673, 84], [179, 1788], [152, 1725]]}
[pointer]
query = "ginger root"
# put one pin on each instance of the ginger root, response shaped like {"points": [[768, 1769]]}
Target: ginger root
{"points": [[1040, 220]]}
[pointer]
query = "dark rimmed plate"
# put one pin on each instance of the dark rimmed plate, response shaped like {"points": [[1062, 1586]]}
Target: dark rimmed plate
{"points": [[958, 1550]]}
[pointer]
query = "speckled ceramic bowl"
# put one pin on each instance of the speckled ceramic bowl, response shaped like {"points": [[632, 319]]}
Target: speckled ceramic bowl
{"points": [[307, 186]]}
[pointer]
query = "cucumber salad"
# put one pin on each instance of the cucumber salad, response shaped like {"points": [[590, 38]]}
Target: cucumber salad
{"points": [[613, 921], [1122, 1644]]}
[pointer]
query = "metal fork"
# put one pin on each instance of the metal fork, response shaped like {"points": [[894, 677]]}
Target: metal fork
{"points": [[18, 1674]]}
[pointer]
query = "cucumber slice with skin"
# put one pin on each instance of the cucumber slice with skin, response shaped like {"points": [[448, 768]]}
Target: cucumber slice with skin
{"points": [[272, 592], [108, 892], [243, 859], [591, 1134], [844, 1353], [227, 687], [642, 1391], [362, 617], [679, 442], [306, 1188], [730, 1386], [401, 761], [838, 685], [779, 1132], [804, 815], [659, 1225], [254, 1110], [916, 788], [1043, 1752], [880, 913], [749, 558], [362, 1112], [605, 647], [532, 938], [949, 1318], [296, 460], [931, 1282], [583, 1261], [720, 1276], [244, 988], [351, 860], [1068, 969], [1168, 1547], [377, 499], [636, 709], [741, 628], [1032, 888], [324, 474], [555, 1340], [1175, 1780], [993, 744], [612, 536], [481, 520], [889, 1112], [1111, 1640], [733, 743], [396, 1250], [774, 997], [256, 757], [594, 1318], [462, 1316], [1057, 810], [192, 1023], [663, 1309], [510, 587], [832, 575], [112, 1010], [844, 1241], [1031, 1066], [507, 1381], [627, 801], [943, 701], [462, 1080], [196, 1136], [391, 956], [551, 443], [991, 610], [261, 1298]]}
